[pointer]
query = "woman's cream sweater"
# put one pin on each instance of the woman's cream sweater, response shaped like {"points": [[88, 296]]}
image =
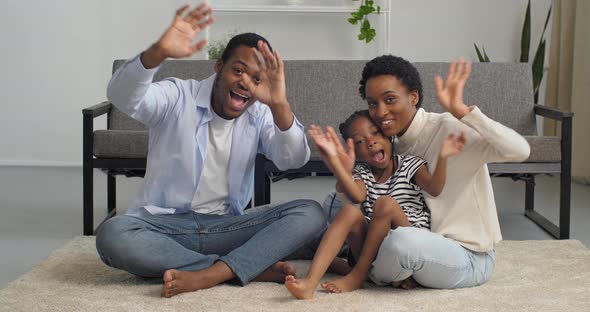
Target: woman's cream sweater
{"points": [[465, 211]]}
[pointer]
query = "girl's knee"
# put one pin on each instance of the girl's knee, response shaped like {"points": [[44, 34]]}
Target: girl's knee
{"points": [[385, 205], [351, 213]]}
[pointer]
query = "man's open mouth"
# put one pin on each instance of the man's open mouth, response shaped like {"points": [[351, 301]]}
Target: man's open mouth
{"points": [[237, 100]]}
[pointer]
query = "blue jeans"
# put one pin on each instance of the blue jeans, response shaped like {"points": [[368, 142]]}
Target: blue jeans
{"points": [[151, 244], [433, 260]]}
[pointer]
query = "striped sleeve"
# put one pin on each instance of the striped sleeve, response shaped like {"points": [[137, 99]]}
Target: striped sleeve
{"points": [[412, 163], [359, 171]]}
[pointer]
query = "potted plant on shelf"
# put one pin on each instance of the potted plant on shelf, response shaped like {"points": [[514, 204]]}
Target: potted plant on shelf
{"points": [[367, 7]]}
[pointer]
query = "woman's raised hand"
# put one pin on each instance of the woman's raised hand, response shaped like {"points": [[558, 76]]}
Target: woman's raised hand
{"points": [[450, 92]]}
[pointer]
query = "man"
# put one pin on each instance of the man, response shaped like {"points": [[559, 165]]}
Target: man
{"points": [[187, 222]]}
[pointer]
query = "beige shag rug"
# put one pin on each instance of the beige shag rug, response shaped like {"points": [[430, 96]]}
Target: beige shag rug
{"points": [[529, 276]]}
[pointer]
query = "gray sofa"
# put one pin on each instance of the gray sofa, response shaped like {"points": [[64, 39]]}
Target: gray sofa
{"points": [[325, 92]]}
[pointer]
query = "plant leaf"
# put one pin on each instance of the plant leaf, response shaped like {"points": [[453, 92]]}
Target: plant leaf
{"points": [[479, 56], [538, 64], [366, 7], [542, 40], [366, 24], [485, 55], [546, 22], [525, 39]]}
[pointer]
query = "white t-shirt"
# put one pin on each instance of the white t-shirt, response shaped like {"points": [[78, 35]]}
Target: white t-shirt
{"points": [[213, 186]]}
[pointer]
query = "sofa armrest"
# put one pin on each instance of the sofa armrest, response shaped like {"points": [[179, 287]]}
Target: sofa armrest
{"points": [[552, 113], [88, 115], [97, 110]]}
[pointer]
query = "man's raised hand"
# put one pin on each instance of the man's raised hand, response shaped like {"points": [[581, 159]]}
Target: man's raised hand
{"points": [[269, 88], [177, 41]]}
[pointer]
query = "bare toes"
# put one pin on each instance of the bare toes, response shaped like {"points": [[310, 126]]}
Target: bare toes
{"points": [[330, 287], [169, 275]]}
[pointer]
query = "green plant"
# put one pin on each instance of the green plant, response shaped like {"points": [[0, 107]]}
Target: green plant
{"points": [[366, 8], [484, 57], [215, 48], [525, 41]]}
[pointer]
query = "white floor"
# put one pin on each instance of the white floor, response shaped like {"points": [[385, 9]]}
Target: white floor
{"points": [[41, 209]]}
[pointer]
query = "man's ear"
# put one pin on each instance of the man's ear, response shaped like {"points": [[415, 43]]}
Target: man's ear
{"points": [[218, 66]]}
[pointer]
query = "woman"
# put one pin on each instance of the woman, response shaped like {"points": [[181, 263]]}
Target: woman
{"points": [[459, 249]]}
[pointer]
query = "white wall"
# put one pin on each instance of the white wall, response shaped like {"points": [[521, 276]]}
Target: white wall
{"points": [[57, 55]]}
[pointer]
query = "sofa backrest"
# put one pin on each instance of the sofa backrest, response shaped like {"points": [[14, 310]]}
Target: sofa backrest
{"points": [[325, 92]]}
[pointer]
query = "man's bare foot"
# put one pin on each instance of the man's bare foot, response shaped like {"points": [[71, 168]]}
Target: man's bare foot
{"points": [[350, 282], [408, 283], [276, 273], [339, 266], [300, 288], [176, 282]]}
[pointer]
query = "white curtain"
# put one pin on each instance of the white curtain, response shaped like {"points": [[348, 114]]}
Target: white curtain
{"points": [[568, 80]]}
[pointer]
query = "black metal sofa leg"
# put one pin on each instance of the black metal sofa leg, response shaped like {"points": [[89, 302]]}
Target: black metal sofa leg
{"points": [[529, 194], [111, 195], [564, 205], [88, 198]]}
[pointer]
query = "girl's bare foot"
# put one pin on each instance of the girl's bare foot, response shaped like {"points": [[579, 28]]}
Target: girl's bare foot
{"points": [[300, 288], [276, 273], [176, 282], [347, 283]]}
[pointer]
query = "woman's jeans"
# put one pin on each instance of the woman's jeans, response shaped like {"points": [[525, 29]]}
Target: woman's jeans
{"points": [[149, 245], [433, 260]]}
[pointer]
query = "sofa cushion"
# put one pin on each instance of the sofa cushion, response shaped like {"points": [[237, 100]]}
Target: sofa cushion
{"points": [[544, 148], [120, 143], [134, 144]]}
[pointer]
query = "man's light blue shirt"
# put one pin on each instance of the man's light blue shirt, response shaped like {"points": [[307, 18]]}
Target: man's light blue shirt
{"points": [[177, 113]]}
